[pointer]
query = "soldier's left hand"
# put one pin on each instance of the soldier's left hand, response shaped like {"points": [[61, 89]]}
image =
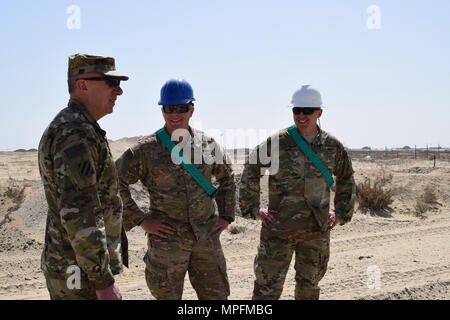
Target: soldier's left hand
{"points": [[221, 225], [110, 293], [333, 220], [267, 216]]}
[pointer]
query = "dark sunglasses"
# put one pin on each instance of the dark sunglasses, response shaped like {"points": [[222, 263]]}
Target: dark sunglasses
{"points": [[178, 108], [112, 82], [305, 111]]}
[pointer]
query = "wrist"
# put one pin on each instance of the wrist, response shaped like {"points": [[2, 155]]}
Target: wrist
{"points": [[255, 213], [102, 282]]}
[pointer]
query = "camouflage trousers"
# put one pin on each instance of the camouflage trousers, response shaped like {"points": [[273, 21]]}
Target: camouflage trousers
{"points": [[312, 251], [59, 289], [168, 260]]}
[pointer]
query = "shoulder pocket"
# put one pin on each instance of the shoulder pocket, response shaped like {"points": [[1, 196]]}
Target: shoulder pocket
{"points": [[80, 165]]}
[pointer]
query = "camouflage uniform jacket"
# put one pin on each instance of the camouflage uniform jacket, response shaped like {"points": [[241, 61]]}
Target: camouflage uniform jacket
{"points": [[298, 190], [84, 221], [175, 197]]}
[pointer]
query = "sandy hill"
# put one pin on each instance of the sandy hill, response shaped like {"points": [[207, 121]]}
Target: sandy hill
{"points": [[119, 146]]}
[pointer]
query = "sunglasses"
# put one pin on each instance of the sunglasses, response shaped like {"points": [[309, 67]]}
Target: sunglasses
{"points": [[305, 111], [178, 108], [112, 82]]}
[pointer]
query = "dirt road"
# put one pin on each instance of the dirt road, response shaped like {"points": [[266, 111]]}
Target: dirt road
{"points": [[396, 255]]}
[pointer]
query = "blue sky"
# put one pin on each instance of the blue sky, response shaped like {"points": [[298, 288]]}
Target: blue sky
{"points": [[386, 87]]}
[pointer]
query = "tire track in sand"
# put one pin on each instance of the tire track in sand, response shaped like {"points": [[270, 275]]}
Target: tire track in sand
{"points": [[360, 285], [374, 240]]}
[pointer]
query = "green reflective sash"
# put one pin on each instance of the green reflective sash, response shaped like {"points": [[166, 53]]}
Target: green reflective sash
{"points": [[186, 163], [311, 155]]}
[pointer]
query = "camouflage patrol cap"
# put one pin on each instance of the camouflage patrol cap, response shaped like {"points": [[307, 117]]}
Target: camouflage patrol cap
{"points": [[81, 63]]}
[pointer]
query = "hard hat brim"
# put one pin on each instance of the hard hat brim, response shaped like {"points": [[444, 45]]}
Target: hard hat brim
{"points": [[174, 102], [305, 106]]}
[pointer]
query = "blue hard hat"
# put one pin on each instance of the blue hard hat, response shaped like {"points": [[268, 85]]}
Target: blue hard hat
{"points": [[176, 91]]}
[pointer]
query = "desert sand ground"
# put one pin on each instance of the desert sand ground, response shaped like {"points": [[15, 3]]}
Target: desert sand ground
{"points": [[390, 255]]}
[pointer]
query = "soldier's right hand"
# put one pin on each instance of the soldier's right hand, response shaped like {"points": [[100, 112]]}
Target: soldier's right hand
{"points": [[267, 216], [157, 227], [110, 293]]}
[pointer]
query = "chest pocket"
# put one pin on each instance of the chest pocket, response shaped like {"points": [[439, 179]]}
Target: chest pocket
{"points": [[290, 176], [316, 186], [327, 155], [206, 166], [164, 172]]}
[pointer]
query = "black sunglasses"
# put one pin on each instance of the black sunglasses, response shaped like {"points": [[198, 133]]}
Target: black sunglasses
{"points": [[305, 111], [112, 82], [178, 108]]}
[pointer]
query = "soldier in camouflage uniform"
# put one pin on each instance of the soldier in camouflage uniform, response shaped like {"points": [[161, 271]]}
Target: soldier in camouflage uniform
{"points": [[85, 243], [298, 217], [182, 227]]}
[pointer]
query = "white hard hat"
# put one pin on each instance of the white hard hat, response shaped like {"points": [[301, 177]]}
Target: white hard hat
{"points": [[307, 97]]}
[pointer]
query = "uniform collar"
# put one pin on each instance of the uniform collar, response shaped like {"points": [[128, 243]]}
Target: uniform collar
{"points": [[196, 139], [77, 106], [194, 133], [318, 139]]}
